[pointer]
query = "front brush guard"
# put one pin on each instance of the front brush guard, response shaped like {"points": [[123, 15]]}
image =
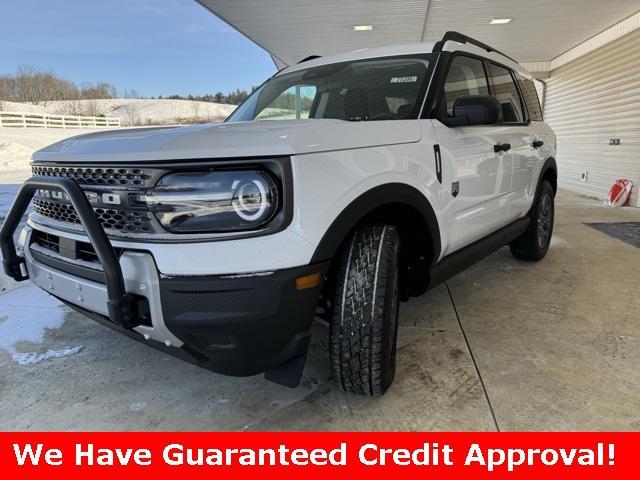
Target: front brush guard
{"points": [[121, 305]]}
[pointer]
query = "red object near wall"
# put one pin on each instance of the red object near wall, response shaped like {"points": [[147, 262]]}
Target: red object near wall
{"points": [[619, 193]]}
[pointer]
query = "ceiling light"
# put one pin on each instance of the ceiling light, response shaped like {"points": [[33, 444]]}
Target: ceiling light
{"points": [[363, 28], [499, 21]]}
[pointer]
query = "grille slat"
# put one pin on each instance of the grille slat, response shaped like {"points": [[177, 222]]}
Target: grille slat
{"points": [[120, 176]]}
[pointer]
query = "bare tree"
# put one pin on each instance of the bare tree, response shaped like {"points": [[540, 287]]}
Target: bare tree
{"points": [[7, 87], [195, 107], [69, 107], [90, 108], [98, 91], [132, 114], [28, 86], [39, 87], [131, 93]]}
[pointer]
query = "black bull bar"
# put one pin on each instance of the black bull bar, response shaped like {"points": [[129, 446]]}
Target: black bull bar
{"points": [[121, 305]]}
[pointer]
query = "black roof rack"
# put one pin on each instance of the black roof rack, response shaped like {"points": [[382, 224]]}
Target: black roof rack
{"points": [[461, 38], [310, 57]]}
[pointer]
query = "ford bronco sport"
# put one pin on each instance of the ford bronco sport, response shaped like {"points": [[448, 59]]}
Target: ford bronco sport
{"points": [[340, 187]]}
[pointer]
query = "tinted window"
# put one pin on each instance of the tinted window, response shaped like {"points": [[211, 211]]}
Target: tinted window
{"points": [[466, 77], [362, 90], [528, 89], [506, 92]]}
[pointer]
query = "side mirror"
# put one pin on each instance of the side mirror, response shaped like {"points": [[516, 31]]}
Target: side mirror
{"points": [[475, 110]]}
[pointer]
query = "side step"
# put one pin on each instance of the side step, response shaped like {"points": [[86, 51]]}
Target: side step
{"points": [[458, 261]]}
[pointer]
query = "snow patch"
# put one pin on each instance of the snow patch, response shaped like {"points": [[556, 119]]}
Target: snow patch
{"points": [[24, 107], [18, 144], [144, 110], [137, 406], [32, 358], [27, 313]]}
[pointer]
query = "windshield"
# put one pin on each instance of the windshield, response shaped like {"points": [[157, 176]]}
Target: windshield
{"points": [[390, 88]]}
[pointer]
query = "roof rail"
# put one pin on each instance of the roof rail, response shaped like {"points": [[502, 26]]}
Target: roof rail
{"points": [[461, 38], [310, 57]]}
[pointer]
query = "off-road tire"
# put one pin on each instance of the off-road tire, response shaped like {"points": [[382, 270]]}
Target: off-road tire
{"points": [[534, 243], [364, 322]]}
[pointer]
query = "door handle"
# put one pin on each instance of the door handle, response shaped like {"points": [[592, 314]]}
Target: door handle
{"points": [[503, 147], [537, 144]]}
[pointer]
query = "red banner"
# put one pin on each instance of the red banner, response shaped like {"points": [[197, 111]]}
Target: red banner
{"points": [[311, 456]]}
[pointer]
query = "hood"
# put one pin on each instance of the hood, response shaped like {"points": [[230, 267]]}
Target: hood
{"points": [[228, 140]]}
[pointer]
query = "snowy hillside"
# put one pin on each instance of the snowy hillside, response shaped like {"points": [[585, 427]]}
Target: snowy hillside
{"points": [[18, 144], [22, 107], [134, 111]]}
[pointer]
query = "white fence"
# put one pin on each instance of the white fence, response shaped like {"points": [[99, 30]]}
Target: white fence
{"points": [[25, 120]]}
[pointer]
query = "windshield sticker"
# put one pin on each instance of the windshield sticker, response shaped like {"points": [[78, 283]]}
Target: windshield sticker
{"points": [[411, 79]]}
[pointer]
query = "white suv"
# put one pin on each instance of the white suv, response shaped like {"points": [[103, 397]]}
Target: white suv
{"points": [[341, 186]]}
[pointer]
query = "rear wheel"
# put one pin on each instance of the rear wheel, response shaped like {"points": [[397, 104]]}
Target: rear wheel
{"points": [[534, 243], [364, 323]]}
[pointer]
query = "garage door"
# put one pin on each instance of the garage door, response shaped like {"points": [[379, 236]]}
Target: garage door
{"points": [[591, 102]]}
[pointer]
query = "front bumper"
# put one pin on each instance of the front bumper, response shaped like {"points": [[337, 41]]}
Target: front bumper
{"points": [[232, 324], [242, 325]]}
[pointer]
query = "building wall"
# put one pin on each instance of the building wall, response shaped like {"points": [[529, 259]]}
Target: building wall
{"points": [[590, 101]]}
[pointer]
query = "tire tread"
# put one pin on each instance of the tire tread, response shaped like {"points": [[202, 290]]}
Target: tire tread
{"points": [[357, 325]]}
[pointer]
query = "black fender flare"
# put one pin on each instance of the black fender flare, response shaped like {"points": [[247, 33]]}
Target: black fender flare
{"points": [[358, 209], [549, 164]]}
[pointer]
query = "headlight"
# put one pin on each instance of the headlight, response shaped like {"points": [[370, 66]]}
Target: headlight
{"points": [[218, 201]]}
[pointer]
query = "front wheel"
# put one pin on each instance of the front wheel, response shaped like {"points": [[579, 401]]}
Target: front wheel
{"points": [[534, 243], [364, 323]]}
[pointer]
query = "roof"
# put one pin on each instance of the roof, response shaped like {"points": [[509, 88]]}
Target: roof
{"points": [[364, 53], [406, 49]]}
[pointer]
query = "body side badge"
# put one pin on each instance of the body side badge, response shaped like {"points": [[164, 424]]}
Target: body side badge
{"points": [[455, 188], [436, 151]]}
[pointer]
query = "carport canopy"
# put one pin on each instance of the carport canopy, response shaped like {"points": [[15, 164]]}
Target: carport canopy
{"points": [[536, 33]]}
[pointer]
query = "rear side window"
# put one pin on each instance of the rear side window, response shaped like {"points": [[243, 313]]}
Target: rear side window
{"points": [[528, 89], [465, 77], [506, 92]]}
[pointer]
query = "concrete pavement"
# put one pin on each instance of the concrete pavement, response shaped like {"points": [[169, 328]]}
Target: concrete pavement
{"points": [[509, 345]]}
